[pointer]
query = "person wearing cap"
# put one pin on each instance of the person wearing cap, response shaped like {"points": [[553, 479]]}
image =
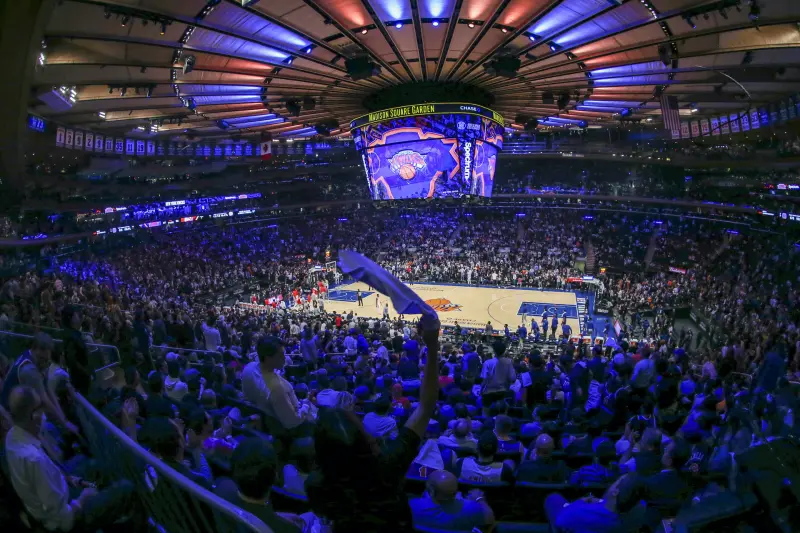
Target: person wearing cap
{"points": [[441, 507], [269, 391]]}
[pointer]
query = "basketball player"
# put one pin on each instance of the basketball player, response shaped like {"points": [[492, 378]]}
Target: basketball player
{"points": [[377, 301], [535, 330], [360, 298], [553, 326], [544, 327], [386, 311], [566, 330]]}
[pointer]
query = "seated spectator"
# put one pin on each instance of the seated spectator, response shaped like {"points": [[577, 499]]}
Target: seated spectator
{"points": [[602, 471], [459, 437], [378, 423], [253, 468], [166, 439], [157, 404], [668, 491], [592, 515], [485, 468], [300, 465], [503, 426], [430, 459], [270, 391], [540, 466], [174, 386], [647, 459], [589, 442], [442, 508], [42, 486], [337, 395], [398, 400]]}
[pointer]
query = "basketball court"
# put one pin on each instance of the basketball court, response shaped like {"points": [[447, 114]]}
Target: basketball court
{"points": [[471, 306]]}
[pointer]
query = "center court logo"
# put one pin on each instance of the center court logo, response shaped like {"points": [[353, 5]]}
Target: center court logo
{"points": [[442, 304]]}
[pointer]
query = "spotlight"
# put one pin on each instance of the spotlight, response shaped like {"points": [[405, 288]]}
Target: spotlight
{"points": [[471, 25], [694, 110], [504, 30], [532, 37], [123, 91], [435, 23], [125, 20], [289, 60], [364, 31], [398, 25], [163, 28], [149, 92], [308, 50]]}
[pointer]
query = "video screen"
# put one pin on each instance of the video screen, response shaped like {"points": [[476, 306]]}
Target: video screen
{"points": [[432, 156], [416, 169]]}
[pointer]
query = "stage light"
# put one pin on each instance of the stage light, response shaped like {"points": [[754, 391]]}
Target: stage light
{"points": [[364, 31], [504, 30], [289, 60], [163, 28], [101, 114], [123, 91], [694, 110], [125, 20], [435, 23], [532, 37], [471, 25], [308, 50], [398, 25]]}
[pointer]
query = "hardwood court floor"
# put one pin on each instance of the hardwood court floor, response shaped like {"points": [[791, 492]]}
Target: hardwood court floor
{"points": [[472, 306]]}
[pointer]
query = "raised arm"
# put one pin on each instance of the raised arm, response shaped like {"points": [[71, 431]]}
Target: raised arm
{"points": [[429, 390]]}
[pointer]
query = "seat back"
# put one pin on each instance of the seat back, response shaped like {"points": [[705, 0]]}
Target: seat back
{"points": [[529, 500], [500, 496]]}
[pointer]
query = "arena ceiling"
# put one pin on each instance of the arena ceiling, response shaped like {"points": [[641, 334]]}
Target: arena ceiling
{"points": [[126, 58]]}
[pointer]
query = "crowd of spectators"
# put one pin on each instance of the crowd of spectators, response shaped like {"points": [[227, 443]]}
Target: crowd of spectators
{"points": [[348, 415]]}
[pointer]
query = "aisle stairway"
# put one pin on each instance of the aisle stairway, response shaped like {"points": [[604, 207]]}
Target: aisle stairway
{"points": [[591, 258], [651, 248]]}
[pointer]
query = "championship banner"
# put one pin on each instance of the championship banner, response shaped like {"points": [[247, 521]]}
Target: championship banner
{"points": [[745, 122], [695, 128], [676, 134], [754, 122], [734, 122], [79, 140], [723, 125], [60, 133], [714, 126], [684, 130], [89, 142], [99, 143], [704, 126], [151, 148], [68, 138]]}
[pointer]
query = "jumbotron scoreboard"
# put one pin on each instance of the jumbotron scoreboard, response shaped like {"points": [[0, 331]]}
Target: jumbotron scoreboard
{"points": [[434, 150]]}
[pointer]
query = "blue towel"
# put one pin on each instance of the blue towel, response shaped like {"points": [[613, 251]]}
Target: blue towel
{"points": [[404, 300]]}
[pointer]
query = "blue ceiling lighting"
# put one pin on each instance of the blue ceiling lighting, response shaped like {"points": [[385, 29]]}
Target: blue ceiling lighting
{"points": [[607, 23], [227, 99], [434, 8], [598, 109], [435, 23], [567, 13], [251, 118], [637, 68], [398, 25], [257, 123], [611, 103]]}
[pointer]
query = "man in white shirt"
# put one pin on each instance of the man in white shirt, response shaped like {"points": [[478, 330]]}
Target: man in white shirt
{"points": [[270, 392], [42, 486], [211, 335]]}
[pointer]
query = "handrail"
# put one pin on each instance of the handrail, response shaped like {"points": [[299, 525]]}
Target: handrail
{"points": [[230, 511], [109, 347]]}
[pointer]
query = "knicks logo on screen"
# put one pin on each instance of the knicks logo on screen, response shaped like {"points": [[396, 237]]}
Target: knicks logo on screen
{"points": [[406, 163], [442, 304]]}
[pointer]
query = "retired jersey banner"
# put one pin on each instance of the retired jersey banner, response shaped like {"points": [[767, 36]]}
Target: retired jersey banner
{"points": [[60, 134], [695, 129], [723, 125], [704, 126], [109, 144], [714, 126], [68, 138], [685, 130], [99, 143], [151, 148], [734, 122], [745, 122], [79, 140], [89, 142], [754, 119], [139, 147]]}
